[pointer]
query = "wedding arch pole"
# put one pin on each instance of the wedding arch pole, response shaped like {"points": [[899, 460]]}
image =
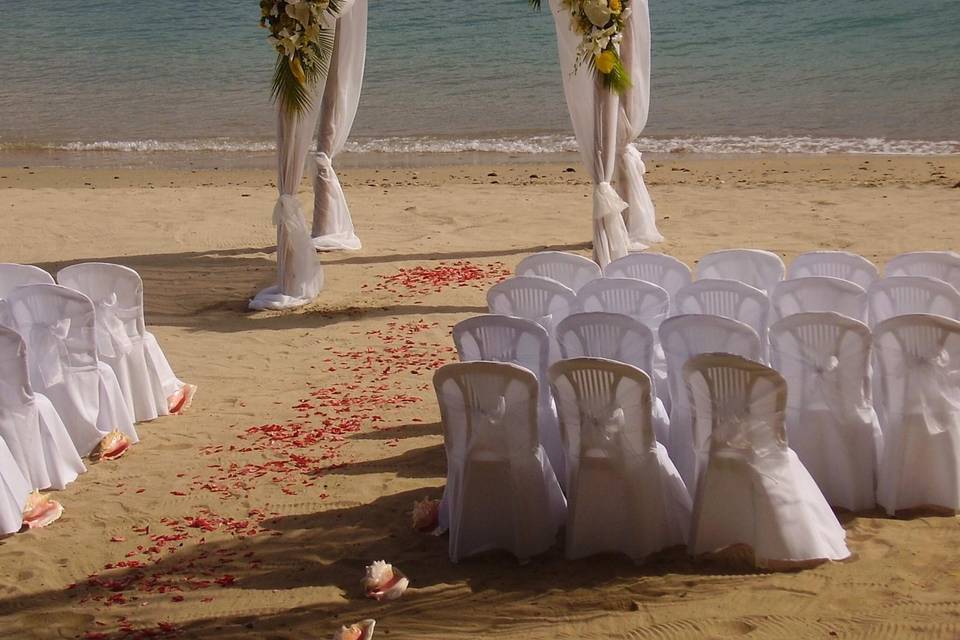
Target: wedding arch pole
{"points": [[299, 274], [640, 215], [332, 224], [594, 110], [303, 34]]}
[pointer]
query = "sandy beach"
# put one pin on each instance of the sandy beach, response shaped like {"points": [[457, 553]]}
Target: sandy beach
{"points": [[314, 431]]}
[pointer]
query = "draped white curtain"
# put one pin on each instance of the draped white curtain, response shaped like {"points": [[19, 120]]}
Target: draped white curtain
{"points": [[299, 274], [634, 105], [605, 125], [332, 225]]}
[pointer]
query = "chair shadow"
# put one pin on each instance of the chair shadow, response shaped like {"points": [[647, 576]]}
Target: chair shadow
{"points": [[401, 432], [209, 290]]}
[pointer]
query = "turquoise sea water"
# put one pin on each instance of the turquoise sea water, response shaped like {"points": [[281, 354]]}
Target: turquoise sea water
{"points": [[729, 75]]}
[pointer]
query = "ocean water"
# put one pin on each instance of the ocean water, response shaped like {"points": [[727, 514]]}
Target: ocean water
{"points": [[728, 76]]}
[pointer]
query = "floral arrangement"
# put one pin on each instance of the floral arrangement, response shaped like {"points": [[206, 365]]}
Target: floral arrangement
{"points": [[302, 32], [600, 23]]}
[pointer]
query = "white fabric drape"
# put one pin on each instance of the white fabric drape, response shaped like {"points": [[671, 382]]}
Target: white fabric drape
{"points": [[299, 275], [605, 125], [634, 105], [332, 225]]}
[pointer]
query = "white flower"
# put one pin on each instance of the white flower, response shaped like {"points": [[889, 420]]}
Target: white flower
{"points": [[597, 11]]}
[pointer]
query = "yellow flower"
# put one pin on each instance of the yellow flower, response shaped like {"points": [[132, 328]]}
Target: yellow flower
{"points": [[605, 61], [297, 69], [615, 7]]}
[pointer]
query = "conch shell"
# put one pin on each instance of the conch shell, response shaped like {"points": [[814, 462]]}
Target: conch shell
{"points": [[113, 445], [426, 514], [41, 510], [182, 399], [383, 582], [362, 630]]}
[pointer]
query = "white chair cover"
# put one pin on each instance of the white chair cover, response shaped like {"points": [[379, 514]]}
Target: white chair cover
{"points": [[662, 270], [332, 224], [566, 268], [682, 338], [501, 491], [834, 264], [16, 275], [145, 376], [817, 294], [14, 491], [542, 300], [729, 299], [753, 489], [918, 358], [624, 492], [615, 337], [755, 267], [643, 301], [825, 359], [943, 265], [59, 327], [522, 342], [30, 426], [903, 295]]}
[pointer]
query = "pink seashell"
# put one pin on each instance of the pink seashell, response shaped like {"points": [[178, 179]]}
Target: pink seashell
{"points": [[383, 582], [41, 510], [182, 399], [112, 446], [362, 630], [426, 514]]}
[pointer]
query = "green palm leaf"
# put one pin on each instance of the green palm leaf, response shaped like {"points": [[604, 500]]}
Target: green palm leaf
{"points": [[286, 89]]}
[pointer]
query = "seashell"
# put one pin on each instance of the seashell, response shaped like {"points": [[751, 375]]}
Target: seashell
{"points": [[426, 514], [41, 510], [182, 399], [362, 630], [112, 446], [383, 582]]}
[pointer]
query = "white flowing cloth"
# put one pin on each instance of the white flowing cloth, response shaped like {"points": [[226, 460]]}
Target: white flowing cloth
{"points": [[605, 125], [332, 224], [299, 274]]}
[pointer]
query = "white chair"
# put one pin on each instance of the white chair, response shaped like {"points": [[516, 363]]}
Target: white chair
{"points": [[59, 327], [682, 338], [657, 268], [918, 369], [755, 267], [644, 301], [729, 299], [30, 426], [825, 359], [904, 295], [834, 264], [943, 265], [542, 300], [615, 337], [14, 491], [753, 489], [624, 494], [501, 491], [149, 385], [522, 342], [818, 294], [568, 269], [17, 275]]}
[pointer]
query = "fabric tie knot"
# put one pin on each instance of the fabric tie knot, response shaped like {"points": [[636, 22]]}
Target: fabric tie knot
{"points": [[112, 338]]}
